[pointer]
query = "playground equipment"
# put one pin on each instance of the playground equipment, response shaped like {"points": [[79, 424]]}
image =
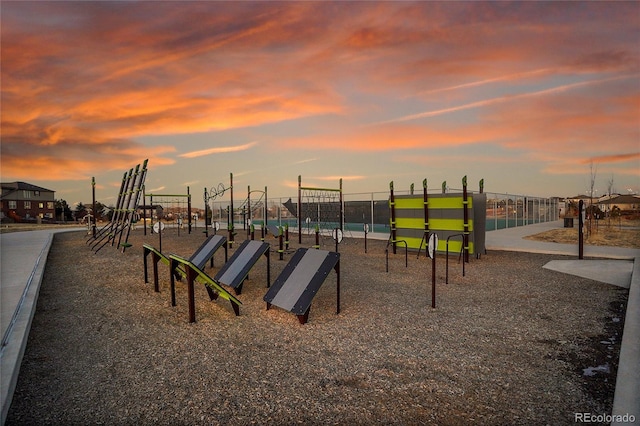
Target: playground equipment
{"points": [[236, 270], [250, 210], [172, 207], [124, 213], [200, 257], [194, 273], [322, 206], [300, 280], [211, 195], [413, 217]]}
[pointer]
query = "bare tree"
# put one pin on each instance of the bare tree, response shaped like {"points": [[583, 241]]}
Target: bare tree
{"points": [[609, 192], [593, 171]]}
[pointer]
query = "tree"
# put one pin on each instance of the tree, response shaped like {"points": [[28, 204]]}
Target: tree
{"points": [[592, 182], [609, 192], [63, 212], [80, 211]]}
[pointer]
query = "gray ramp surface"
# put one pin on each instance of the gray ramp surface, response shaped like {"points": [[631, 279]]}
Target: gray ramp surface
{"points": [[234, 271], [300, 277], [206, 250]]}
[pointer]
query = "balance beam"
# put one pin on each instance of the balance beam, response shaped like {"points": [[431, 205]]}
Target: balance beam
{"points": [[199, 258], [214, 290], [236, 270], [156, 256], [300, 280]]}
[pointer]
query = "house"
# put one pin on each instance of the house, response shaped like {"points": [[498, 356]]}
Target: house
{"points": [[626, 203], [23, 201]]}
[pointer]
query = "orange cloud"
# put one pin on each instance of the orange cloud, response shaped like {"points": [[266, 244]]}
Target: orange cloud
{"points": [[617, 158], [83, 82], [218, 150]]}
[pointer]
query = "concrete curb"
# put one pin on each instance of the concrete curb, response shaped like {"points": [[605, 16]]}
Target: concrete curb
{"points": [[12, 353], [626, 400]]}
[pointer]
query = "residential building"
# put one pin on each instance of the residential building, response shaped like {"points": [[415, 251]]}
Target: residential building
{"points": [[23, 201], [629, 204]]}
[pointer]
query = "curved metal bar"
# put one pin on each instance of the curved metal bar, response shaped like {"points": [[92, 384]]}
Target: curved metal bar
{"points": [[406, 253], [447, 256]]}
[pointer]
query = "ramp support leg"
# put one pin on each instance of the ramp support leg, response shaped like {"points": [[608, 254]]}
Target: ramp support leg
{"points": [[172, 266], [156, 284], [191, 277], [304, 317]]}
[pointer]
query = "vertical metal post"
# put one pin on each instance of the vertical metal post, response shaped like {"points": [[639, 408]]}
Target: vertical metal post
{"points": [[299, 209], [372, 212], [580, 229], [95, 216], [506, 211], [337, 268], [189, 208], [206, 214], [465, 206], [425, 200], [341, 209], [392, 205], [249, 221], [230, 217], [433, 277]]}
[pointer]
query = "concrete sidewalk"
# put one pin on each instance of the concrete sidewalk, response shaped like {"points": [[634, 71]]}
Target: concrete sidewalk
{"points": [[512, 239], [22, 261]]}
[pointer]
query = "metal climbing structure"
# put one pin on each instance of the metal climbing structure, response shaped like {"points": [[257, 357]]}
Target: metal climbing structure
{"points": [[124, 213]]}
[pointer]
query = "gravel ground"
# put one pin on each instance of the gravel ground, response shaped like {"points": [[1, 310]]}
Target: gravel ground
{"points": [[507, 344]]}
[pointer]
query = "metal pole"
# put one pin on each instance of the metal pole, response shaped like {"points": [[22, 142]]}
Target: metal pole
{"points": [[95, 216], [372, 212], [299, 209], [580, 229], [433, 278], [189, 208]]}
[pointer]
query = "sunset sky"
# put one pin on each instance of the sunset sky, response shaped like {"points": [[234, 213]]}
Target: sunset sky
{"points": [[526, 95]]}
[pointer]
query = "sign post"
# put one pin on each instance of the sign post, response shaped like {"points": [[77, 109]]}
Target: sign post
{"points": [[431, 251], [366, 231], [337, 236]]}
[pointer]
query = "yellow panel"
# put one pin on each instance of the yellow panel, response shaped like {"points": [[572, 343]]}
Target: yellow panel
{"points": [[412, 243], [448, 225], [410, 222], [448, 203], [409, 203], [454, 246]]}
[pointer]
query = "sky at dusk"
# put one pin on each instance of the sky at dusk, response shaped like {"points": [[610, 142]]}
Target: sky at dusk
{"points": [[524, 95]]}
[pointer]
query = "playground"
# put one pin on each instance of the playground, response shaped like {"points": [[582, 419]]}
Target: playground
{"points": [[508, 342]]}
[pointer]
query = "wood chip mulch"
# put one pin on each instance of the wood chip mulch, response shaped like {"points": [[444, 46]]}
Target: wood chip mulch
{"points": [[508, 343]]}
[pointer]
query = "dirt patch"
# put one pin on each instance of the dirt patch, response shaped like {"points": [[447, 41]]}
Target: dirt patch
{"points": [[626, 234]]}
